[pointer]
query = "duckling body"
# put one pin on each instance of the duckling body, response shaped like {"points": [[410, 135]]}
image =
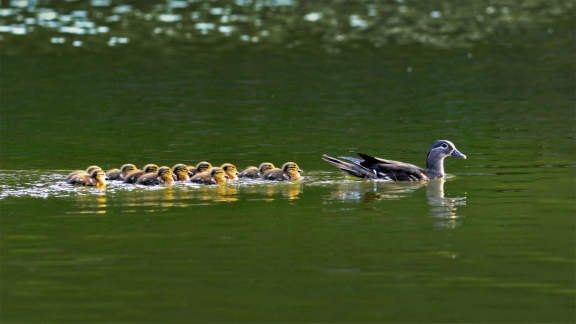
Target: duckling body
{"points": [[96, 178], [133, 176], [253, 172], [180, 172], [199, 168], [370, 167], [88, 171], [212, 176], [289, 172], [120, 174], [162, 176]]}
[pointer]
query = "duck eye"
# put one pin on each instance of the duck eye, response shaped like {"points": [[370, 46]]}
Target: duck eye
{"points": [[444, 145]]}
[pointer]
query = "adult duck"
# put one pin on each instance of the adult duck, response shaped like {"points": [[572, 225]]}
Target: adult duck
{"points": [[370, 167]]}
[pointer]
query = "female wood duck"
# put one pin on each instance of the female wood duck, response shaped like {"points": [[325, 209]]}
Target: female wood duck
{"points": [[199, 168], [96, 178], [290, 171], [230, 170], [120, 174], [376, 168], [162, 176], [180, 172], [133, 176], [212, 176], [87, 172], [253, 172]]}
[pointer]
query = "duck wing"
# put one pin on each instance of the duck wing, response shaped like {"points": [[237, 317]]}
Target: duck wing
{"points": [[395, 170], [353, 168]]}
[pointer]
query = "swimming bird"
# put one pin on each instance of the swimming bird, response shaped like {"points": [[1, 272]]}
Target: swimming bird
{"points": [[88, 171], [133, 176], [370, 167], [253, 172], [290, 171], [162, 176], [212, 176], [230, 170], [180, 172], [96, 178], [120, 174], [199, 168]]}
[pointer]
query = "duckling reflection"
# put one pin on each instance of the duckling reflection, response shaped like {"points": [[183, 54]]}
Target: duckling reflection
{"points": [[371, 191], [218, 194], [288, 190], [442, 207], [92, 204]]}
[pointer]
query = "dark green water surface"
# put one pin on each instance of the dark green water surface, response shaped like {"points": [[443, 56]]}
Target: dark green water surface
{"points": [[493, 243]]}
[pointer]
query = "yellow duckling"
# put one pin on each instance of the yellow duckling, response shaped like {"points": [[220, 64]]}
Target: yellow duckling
{"points": [[96, 178], [180, 172], [290, 171], [253, 172], [212, 176], [133, 176], [120, 174], [163, 176], [230, 170], [88, 171], [199, 168]]}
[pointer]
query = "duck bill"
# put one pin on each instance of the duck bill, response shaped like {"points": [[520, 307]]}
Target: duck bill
{"points": [[459, 154]]}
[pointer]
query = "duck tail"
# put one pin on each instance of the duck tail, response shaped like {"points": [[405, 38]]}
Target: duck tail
{"points": [[353, 169]]}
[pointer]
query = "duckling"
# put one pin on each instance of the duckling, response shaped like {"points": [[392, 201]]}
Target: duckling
{"points": [[180, 172], [290, 171], [253, 172], [133, 176], [87, 171], [212, 176], [96, 178], [199, 168], [120, 174], [163, 176], [230, 170]]}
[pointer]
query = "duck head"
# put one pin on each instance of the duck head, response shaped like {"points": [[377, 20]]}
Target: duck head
{"points": [[98, 177], [265, 166], [292, 170], [165, 173], [91, 168], [440, 150], [230, 170], [181, 172], [127, 168], [218, 175], [150, 168]]}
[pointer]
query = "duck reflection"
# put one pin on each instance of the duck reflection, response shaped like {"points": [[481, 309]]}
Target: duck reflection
{"points": [[441, 207], [290, 191], [371, 191], [93, 203], [217, 193]]}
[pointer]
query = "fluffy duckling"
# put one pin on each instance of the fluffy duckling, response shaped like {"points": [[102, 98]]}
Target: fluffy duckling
{"points": [[180, 172], [290, 171], [230, 170], [96, 178], [120, 174], [199, 168], [253, 172], [212, 176], [133, 176], [163, 176], [88, 171]]}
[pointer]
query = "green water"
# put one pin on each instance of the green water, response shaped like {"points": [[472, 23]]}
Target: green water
{"points": [[493, 243]]}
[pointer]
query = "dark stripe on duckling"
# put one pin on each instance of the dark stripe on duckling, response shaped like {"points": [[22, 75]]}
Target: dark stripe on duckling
{"points": [[212, 176], [370, 167], [120, 174], [253, 172], [180, 172], [199, 168], [289, 172], [96, 178], [133, 176], [162, 176]]}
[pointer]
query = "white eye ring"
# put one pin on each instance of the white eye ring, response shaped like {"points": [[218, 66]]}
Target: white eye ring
{"points": [[444, 145]]}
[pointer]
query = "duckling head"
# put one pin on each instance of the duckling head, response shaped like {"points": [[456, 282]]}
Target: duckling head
{"points": [[99, 177], [230, 170], [181, 172], [166, 174], [265, 166], [292, 170], [218, 175], [148, 168], [203, 166], [92, 168], [127, 168]]}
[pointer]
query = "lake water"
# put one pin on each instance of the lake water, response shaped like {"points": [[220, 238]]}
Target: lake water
{"points": [[494, 242]]}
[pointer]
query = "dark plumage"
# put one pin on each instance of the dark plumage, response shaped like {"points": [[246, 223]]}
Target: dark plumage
{"points": [[370, 167], [133, 176], [253, 172], [163, 176], [120, 174], [88, 171], [212, 176], [96, 178], [289, 171]]}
